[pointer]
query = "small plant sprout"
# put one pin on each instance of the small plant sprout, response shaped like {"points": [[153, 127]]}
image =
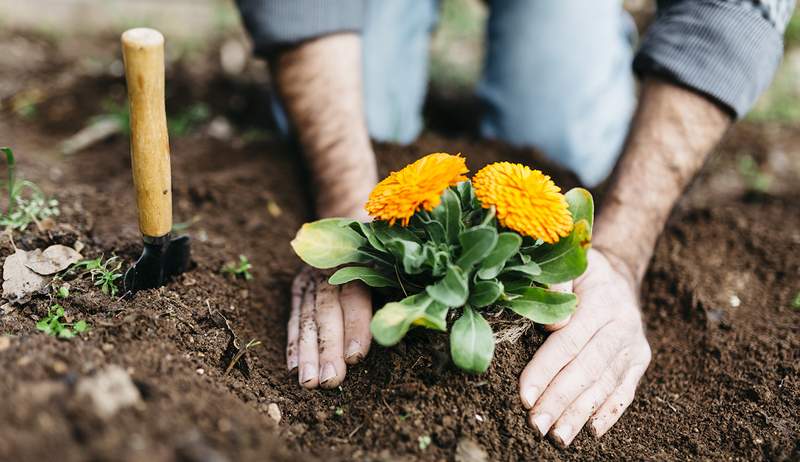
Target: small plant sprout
{"points": [[240, 269], [104, 274], [339, 411], [424, 441], [52, 324], [796, 302], [62, 292], [26, 202], [448, 251]]}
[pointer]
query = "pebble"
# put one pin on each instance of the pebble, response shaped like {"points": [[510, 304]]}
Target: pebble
{"points": [[478, 417], [201, 371], [109, 390], [107, 347], [274, 412], [5, 343], [735, 301], [470, 451], [59, 367]]}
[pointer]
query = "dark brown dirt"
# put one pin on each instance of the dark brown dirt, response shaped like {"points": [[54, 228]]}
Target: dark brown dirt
{"points": [[723, 383]]}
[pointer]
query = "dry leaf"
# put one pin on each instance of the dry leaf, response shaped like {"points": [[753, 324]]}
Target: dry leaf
{"points": [[18, 280], [54, 259]]}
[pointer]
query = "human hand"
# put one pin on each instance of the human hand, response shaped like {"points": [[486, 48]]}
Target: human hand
{"points": [[588, 369], [328, 328]]}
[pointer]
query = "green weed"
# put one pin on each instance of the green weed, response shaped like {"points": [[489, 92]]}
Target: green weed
{"points": [[104, 274], [53, 325], [26, 202], [239, 269]]}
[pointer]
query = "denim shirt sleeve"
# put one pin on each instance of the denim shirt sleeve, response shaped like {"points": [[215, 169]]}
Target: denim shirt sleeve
{"points": [[276, 23], [728, 50]]}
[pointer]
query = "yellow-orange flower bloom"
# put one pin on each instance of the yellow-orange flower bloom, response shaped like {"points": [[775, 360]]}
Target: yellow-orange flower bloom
{"points": [[418, 185], [526, 200]]}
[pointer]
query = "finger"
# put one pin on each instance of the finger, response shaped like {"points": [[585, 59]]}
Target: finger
{"points": [[356, 302], [293, 326], [307, 350], [578, 413], [574, 379], [330, 328], [564, 287], [616, 404], [557, 351]]}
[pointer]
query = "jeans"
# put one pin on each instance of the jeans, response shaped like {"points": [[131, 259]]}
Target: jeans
{"points": [[557, 76]]}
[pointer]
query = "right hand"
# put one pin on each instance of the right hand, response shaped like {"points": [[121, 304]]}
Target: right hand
{"points": [[328, 328]]}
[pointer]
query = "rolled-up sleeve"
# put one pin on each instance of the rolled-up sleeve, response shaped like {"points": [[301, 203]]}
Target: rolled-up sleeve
{"points": [[728, 50], [276, 23]]}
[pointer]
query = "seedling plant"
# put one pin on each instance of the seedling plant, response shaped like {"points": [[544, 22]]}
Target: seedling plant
{"points": [[104, 273], [240, 269], [54, 324], [26, 202], [446, 247]]}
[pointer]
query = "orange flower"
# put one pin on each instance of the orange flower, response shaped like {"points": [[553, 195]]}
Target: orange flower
{"points": [[418, 185], [526, 200]]}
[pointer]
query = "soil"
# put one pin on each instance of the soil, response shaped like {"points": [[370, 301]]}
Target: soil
{"points": [[717, 301]]}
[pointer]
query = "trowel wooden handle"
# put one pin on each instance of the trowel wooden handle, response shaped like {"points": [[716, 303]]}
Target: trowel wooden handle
{"points": [[143, 53]]}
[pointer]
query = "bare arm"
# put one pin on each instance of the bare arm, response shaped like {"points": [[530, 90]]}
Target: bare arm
{"points": [[588, 370], [319, 83], [671, 137]]}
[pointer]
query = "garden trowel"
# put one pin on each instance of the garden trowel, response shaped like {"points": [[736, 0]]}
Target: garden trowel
{"points": [[163, 256]]}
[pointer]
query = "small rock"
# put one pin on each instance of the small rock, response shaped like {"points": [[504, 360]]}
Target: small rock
{"points": [[470, 451], [5, 343], [274, 412], [109, 390], [201, 371], [220, 129], [60, 367], [479, 417], [107, 347], [735, 301], [274, 209], [78, 246]]}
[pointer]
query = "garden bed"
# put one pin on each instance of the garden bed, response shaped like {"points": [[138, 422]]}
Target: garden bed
{"points": [[717, 302]]}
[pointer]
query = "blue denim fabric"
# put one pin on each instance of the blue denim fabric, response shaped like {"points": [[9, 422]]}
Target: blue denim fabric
{"points": [[557, 76]]}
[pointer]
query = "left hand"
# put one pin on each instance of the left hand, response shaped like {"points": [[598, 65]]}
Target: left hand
{"points": [[588, 369]]}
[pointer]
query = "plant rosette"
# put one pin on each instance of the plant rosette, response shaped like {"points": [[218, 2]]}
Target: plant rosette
{"points": [[453, 247]]}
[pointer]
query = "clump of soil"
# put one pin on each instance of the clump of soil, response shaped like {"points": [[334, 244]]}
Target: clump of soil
{"points": [[717, 303]]}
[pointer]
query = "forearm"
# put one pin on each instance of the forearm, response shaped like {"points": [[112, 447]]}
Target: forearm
{"points": [[671, 136], [319, 83]]}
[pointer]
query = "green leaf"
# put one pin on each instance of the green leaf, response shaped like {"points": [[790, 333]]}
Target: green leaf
{"points": [[467, 195], [329, 243], [452, 290], [66, 332], [391, 322], [434, 317], [368, 276], [409, 253], [80, 326], [507, 245], [581, 205], [476, 244], [543, 306], [566, 259], [366, 230], [448, 213], [472, 342], [385, 233], [530, 268], [484, 293]]}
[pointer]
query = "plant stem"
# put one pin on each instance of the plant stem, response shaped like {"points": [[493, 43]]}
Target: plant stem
{"points": [[489, 215]]}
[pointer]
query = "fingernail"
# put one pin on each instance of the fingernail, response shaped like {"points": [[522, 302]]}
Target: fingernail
{"points": [[542, 423], [291, 363], [353, 350], [529, 397], [328, 372], [308, 373], [561, 435]]}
